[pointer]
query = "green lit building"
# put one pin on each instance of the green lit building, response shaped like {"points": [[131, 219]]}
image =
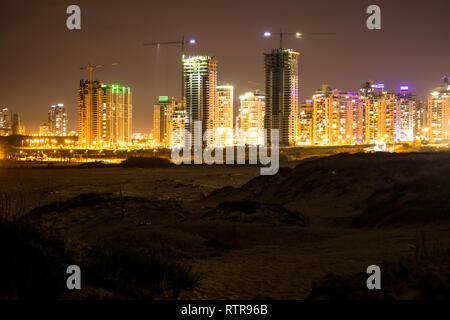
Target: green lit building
{"points": [[104, 114], [164, 113]]}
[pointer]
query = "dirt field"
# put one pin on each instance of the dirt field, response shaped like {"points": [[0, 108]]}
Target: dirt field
{"points": [[334, 215]]}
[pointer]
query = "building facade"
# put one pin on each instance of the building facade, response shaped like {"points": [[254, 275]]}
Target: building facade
{"points": [[305, 123], [439, 112], [163, 113], [379, 107], [250, 121], [104, 114], [57, 120], [405, 115], [17, 127], [200, 79], [5, 122], [281, 83], [223, 116], [337, 117]]}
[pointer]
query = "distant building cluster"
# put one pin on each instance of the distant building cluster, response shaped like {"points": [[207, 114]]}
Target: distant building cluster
{"points": [[369, 115], [332, 117], [10, 123], [373, 114], [57, 122], [335, 117]]}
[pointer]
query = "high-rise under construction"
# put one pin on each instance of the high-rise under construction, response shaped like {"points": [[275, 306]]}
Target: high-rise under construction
{"points": [[281, 73]]}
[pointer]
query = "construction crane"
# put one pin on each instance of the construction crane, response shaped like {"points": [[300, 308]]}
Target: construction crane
{"points": [[89, 107], [91, 68], [298, 35], [282, 34], [182, 42]]}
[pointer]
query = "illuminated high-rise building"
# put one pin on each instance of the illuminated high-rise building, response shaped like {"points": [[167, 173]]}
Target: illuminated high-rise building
{"points": [[223, 117], [337, 117], [305, 123], [17, 127], [250, 121], [57, 120], [104, 114], [439, 112], [351, 118], [421, 118], [379, 108], [163, 113], [281, 76], [89, 104], [176, 125], [200, 79], [5, 122], [405, 115], [44, 130], [321, 115]]}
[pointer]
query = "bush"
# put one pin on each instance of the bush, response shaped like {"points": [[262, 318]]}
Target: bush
{"points": [[135, 274], [33, 266]]}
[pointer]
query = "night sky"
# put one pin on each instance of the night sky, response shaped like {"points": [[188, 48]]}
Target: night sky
{"points": [[40, 58]]}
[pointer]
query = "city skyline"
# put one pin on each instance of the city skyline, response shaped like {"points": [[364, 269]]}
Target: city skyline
{"points": [[202, 153], [334, 60]]}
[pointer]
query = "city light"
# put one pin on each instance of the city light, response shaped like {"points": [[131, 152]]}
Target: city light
{"points": [[378, 86], [267, 34], [192, 41], [404, 88]]}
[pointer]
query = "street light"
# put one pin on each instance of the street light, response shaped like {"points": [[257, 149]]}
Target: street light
{"points": [[182, 42]]}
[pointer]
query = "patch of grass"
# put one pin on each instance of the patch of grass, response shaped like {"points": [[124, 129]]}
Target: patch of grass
{"points": [[249, 211], [423, 277], [136, 274]]}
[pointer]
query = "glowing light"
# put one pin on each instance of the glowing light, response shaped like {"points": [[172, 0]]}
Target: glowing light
{"points": [[192, 41], [267, 34], [404, 88], [379, 86], [298, 35]]}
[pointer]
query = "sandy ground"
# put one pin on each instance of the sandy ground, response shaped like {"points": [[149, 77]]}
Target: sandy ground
{"points": [[259, 260]]}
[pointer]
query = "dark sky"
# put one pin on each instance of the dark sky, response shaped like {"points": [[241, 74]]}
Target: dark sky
{"points": [[40, 58]]}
